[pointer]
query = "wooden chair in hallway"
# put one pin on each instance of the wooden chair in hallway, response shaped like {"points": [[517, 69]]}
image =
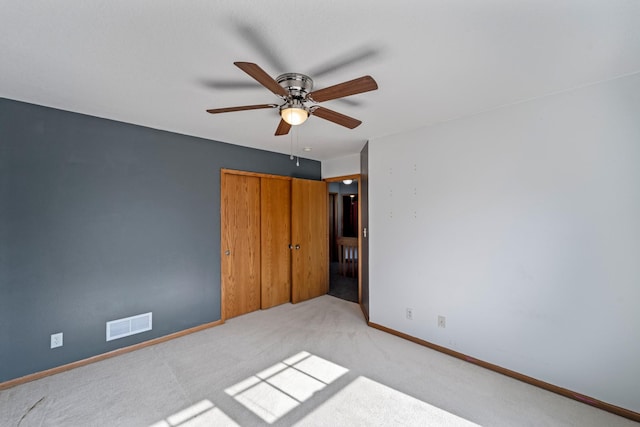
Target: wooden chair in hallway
{"points": [[347, 255]]}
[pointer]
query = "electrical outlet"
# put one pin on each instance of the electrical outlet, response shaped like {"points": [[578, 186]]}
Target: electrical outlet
{"points": [[442, 322], [56, 340], [409, 314]]}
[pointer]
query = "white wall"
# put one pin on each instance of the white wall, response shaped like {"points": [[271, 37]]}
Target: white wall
{"points": [[341, 166], [522, 227]]}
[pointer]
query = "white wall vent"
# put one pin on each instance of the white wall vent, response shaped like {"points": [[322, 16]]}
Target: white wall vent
{"points": [[129, 326]]}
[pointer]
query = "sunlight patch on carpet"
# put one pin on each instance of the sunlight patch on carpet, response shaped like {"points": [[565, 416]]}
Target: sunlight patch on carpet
{"points": [[369, 403], [275, 391], [203, 413]]}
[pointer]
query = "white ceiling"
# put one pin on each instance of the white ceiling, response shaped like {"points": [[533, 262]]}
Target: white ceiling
{"points": [[161, 63]]}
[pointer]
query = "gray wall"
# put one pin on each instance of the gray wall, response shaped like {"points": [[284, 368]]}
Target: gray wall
{"points": [[101, 220]]}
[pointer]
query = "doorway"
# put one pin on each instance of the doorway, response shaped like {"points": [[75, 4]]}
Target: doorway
{"points": [[344, 220]]}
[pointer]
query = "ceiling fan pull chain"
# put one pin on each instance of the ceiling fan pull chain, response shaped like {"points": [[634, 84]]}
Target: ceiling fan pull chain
{"points": [[298, 145]]}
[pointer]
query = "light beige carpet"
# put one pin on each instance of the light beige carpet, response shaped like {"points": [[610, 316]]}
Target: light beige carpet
{"points": [[311, 364]]}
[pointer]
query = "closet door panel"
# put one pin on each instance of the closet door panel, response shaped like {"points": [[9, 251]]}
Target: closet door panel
{"points": [[310, 237], [275, 217], [240, 244]]}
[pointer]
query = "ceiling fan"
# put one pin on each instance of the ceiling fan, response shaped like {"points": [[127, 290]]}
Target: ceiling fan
{"points": [[295, 90]]}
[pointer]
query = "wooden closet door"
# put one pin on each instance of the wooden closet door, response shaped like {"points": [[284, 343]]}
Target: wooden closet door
{"points": [[240, 244], [310, 237], [275, 219]]}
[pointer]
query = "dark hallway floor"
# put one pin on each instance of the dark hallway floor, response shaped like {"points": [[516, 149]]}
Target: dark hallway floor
{"points": [[343, 287]]}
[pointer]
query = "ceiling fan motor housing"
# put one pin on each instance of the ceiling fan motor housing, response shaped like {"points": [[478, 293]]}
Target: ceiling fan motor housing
{"points": [[298, 85]]}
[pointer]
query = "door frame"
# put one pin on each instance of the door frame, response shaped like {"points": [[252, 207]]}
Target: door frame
{"points": [[357, 178]]}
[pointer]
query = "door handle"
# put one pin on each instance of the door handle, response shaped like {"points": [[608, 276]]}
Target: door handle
{"points": [[227, 252], [297, 247], [290, 246]]}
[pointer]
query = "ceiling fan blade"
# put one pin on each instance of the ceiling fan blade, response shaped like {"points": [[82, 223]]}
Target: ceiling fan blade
{"points": [[241, 108], [283, 128], [262, 77], [352, 87], [335, 117], [356, 55], [229, 84], [259, 40]]}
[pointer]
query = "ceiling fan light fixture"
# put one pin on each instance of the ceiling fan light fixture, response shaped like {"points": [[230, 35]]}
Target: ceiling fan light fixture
{"points": [[294, 115]]}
